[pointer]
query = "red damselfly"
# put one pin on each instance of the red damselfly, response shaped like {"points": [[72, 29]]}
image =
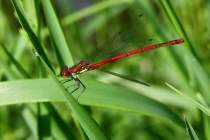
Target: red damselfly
{"points": [[118, 47]]}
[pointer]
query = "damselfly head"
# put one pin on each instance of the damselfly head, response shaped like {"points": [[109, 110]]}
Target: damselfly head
{"points": [[64, 71]]}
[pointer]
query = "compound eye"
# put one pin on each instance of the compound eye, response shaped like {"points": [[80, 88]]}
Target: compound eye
{"points": [[65, 73], [64, 68]]}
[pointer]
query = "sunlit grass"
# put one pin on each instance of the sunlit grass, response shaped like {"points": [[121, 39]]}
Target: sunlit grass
{"points": [[107, 98]]}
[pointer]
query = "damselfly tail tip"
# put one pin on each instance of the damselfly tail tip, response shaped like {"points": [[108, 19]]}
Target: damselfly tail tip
{"points": [[183, 40]]}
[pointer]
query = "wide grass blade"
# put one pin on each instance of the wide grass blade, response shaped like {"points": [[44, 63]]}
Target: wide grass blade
{"points": [[114, 97]]}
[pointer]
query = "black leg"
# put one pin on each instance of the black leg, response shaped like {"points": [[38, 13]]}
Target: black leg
{"points": [[66, 80], [83, 88], [78, 83], [78, 86]]}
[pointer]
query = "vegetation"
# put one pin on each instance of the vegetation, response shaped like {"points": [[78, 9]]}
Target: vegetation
{"points": [[38, 37]]}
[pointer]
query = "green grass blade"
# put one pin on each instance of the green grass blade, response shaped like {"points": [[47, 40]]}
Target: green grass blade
{"points": [[120, 108], [198, 105], [51, 124], [44, 123], [91, 128], [206, 123], [17, 65], [190, 130], [202, 76], [10, 74], [31, 121], [199, 71], [87, 12], [91, 10], [101, 19], [89, 125], [60, 129], [114, 97], [56, 33], [25, 24]]}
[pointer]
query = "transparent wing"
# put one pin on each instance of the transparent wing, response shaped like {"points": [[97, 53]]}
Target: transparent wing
{"points": [[125, 40]]}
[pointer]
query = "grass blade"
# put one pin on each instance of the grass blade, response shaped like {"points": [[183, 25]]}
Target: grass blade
{"points": [[56, 33], [114, 97], [190, 130], [198, 105], [25, 24], [17, 65], [199, 71], [89, 125]]}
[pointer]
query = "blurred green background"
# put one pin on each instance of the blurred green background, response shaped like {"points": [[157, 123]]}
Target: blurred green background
{"points": [[87, 24]]}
